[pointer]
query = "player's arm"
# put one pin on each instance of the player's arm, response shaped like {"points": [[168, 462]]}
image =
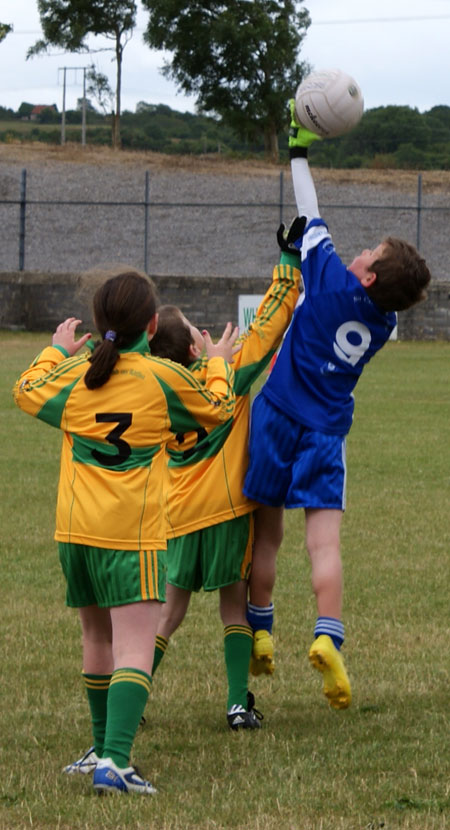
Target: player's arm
{"points": [[320, 263], [230, 342], [304, 188], [260, 342], [46, 378], [43, 380], [193, 404], [275, 312], [272, 318], [226, 349], [264, 335]]}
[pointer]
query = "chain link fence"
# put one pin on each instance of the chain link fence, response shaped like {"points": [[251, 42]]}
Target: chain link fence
{"points": [[201, 236]]}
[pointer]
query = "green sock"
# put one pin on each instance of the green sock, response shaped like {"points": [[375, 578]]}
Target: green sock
{"points": [[160, 649], [97, 686], [127, 696], [238, 644]]}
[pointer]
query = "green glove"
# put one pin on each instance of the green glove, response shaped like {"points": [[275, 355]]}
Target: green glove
{"points": [[299, 136]]}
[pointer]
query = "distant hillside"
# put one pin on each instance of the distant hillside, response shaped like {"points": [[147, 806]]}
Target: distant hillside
{"points": [[386, 138]]}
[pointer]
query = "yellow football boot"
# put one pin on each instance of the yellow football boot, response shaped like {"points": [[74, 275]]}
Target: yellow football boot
{"points": [[261, 661], [325, 657]]}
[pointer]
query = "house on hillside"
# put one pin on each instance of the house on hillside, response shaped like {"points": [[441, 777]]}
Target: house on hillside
{"points": [[33, 112], [40, 108]]}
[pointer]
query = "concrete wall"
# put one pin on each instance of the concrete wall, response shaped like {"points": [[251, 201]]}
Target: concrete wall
{"points": [[36, 301]]}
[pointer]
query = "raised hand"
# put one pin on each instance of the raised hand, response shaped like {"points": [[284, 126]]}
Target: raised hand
{"points": [[225, 346], [65, 336]]}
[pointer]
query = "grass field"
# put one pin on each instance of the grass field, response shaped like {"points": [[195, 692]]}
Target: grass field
{"points": [[383, 763], [24, 128]]}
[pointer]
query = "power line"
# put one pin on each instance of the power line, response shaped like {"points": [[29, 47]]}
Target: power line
{"points": [[339, 22], [380, 20]]}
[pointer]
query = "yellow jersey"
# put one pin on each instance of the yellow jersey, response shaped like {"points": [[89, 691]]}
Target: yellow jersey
{"points": [[113, 460], [207, 467]]}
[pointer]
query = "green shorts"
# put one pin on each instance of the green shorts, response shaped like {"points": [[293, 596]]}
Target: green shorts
{"points": [[105, 577], [213, 557]]}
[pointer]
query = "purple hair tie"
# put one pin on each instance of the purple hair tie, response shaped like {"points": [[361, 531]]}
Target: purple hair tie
{"points": [[110, 335]]}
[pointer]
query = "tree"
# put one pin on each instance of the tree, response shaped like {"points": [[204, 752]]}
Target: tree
{"points": [[67, 23], [98, 86], [5, 29], [87, 103], [49, 115], [142, 107], [25, 109], [239, 58], [383, 129]]}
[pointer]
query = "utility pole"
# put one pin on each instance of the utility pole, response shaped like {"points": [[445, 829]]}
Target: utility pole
{"points": [[63, 115], [64, 70], [83, 111]]}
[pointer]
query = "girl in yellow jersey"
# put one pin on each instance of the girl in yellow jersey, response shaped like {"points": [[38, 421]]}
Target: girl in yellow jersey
{"points": [[210, 521], [118, 409]]}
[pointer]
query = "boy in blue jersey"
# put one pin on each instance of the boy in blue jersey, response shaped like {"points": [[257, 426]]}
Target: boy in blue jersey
{"points": [[301, 417]]}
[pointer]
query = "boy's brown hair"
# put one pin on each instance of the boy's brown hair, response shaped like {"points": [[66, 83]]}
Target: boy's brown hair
{"points": [[402, 276], [173, 337]]}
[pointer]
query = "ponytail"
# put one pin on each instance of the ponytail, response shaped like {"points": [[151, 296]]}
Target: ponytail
{"points": [[123, 308], [104, 358]]}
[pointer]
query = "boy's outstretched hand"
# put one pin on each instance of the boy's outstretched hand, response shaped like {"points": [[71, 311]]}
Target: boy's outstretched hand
{"points": [[225, 346], [65, 336], [287, 237]]}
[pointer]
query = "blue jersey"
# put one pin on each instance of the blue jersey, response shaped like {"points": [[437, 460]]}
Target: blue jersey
{"points": [[335, 330]]}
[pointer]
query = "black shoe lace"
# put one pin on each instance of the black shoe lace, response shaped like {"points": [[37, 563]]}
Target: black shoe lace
{"points": [[251, 706]]}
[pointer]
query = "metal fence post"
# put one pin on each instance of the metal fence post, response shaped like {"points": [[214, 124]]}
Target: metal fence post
{"points": [[146, 218], [22, 216], [419, 210], [281, 195]]}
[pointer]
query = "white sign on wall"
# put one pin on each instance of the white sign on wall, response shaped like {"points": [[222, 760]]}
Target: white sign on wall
{"points": [[248, 305]]}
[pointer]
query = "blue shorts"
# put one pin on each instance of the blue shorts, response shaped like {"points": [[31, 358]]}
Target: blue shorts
{"points": [[293, 465]]}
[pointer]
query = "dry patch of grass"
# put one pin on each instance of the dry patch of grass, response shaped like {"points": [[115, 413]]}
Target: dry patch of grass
{"points": [[22, 152], [72, 153]]}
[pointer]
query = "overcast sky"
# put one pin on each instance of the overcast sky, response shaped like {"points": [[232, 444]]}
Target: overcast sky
{"points": [[397, 50]]}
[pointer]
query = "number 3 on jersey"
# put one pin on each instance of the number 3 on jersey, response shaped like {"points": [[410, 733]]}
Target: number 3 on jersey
{"points": [[348, 350], [122, 421]]}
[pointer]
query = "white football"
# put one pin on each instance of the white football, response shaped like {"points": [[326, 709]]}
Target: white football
{"points": [[329, 103]]}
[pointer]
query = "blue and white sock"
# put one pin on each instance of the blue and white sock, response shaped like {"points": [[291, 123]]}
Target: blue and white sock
{"points": [[331, 626], [260, 617]]}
